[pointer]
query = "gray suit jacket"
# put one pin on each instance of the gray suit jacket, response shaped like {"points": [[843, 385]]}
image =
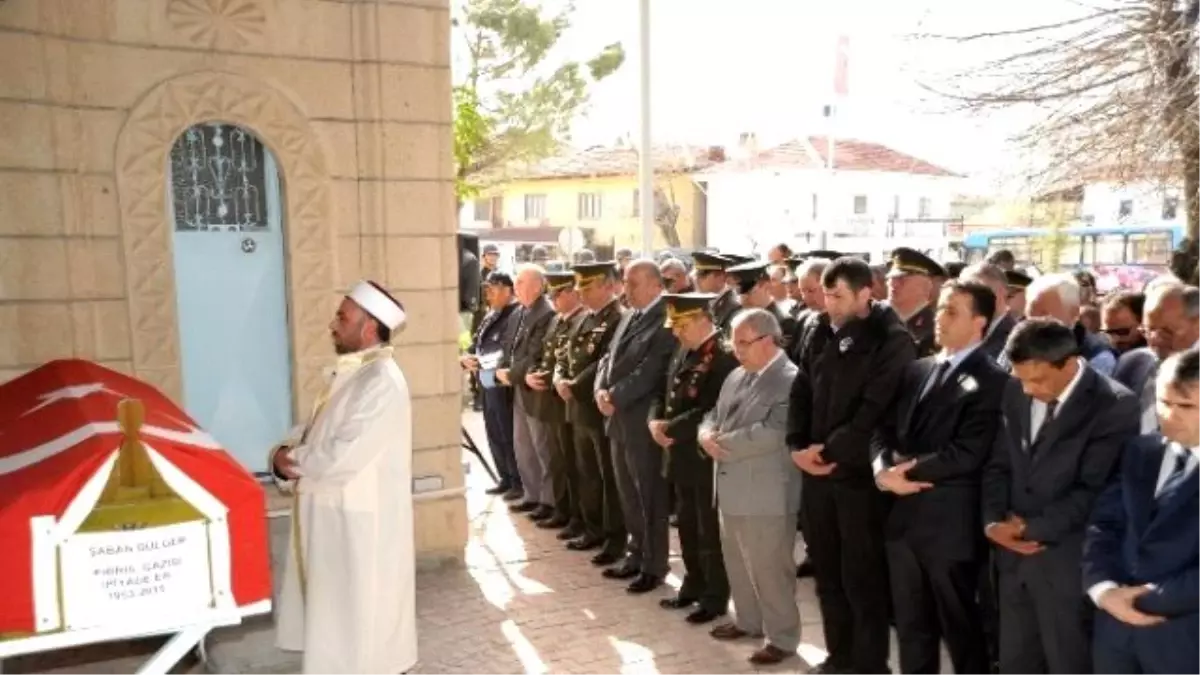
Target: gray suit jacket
{"points": [[634, 371], [758, 478]]}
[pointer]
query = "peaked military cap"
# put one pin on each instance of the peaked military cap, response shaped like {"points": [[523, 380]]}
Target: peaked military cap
{"points": [[739, 259], [587, 274], [557, 280], [624, 253], [1017, 279], [749, 274], [711, 262], [823, 253], [954, 268], [907, 261], [683, 306], [499, 278]]}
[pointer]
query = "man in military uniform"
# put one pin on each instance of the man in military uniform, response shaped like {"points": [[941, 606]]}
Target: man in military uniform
{"points": [[694, 379], [711, 278], [564, 462], [1018, 281], [910, 283], [754, 291], [574, 379]]}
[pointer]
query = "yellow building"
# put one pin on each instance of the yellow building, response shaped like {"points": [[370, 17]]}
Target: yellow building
{"points": [[590, 199]]}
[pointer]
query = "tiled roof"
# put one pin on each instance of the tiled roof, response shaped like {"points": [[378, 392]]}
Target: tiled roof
{"points": [[849, 155], [618, 161]]}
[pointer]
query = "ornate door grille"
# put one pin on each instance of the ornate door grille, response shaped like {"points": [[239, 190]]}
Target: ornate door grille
{"points": [[218, 180]]}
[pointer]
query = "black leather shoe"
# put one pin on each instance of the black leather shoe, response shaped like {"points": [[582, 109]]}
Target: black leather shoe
{"points": [[569, 534], [622, 572], [514, 494], [605, 558], [703, 615], [555, 523], [498, 490], [677, 602], [643, 584], [585, 543], [522, 507], [804, 569], [542, 512]]}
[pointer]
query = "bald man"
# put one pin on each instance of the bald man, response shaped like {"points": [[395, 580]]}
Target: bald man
{"points": [[630, 377]]}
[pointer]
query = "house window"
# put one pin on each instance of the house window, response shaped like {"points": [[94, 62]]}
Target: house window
{"points": [[860, 205], [924, 207], [896, 207], [1170, 209], [814, 206], [637, 203], [1125, 209], [591, 205], [535, 207], [483, 210]]}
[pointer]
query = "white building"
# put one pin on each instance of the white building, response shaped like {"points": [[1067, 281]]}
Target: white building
{"points": [[875, 199], [1141, 203]]}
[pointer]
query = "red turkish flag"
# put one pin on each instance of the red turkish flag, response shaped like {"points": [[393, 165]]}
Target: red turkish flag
{"points": [[841, 67]]}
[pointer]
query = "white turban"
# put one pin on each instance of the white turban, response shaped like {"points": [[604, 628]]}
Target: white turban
{"points": [[378, 304]]}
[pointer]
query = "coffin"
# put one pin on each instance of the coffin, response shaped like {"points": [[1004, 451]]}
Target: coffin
{"points": [[117, 511]]}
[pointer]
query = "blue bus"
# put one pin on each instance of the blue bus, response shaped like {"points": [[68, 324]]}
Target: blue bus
{"points": [[1141, 245]]}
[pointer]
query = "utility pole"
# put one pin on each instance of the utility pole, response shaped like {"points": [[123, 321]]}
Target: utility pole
{"points": [[645, 154]]}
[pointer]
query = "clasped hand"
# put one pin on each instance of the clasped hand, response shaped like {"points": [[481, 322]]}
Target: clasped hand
{"points": [[658, 431], [810, 461], [895, 480], [1009, 534], [604, 403], [708, 443]]}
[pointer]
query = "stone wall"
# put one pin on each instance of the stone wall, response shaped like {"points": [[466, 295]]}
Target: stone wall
{"points": [[352, 97]]}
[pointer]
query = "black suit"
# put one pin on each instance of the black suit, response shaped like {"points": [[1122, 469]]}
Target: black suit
{"points": [[693, 385], [535, 440], [1052, 481], [933, 540], [993, 344], [632, 373]]}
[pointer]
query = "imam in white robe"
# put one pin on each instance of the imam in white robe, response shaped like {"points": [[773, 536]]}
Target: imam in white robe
{"points": [[356, 612]]}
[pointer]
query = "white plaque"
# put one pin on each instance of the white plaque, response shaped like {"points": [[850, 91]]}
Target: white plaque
{"points": [[136, 576]]}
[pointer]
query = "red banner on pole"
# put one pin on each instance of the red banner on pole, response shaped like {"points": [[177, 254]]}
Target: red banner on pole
{"points": [[841, 68]]}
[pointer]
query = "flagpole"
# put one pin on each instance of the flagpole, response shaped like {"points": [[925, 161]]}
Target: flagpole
{"points": [[645, 154]]}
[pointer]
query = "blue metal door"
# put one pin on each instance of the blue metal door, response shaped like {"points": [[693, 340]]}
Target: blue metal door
{"points": [[230, 285]]}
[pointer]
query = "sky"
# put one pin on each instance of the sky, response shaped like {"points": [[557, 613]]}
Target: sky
{"points": [[720, 68]]}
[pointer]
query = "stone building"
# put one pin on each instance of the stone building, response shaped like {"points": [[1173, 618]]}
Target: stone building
{"points": [[188, 187]]}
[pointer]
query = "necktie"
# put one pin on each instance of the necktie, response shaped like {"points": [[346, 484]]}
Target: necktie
{"points": [[1051, 408], [936, 380], [743, 387], [1175, 478]]}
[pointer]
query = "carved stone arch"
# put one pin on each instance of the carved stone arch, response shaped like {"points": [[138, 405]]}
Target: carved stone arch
{"points": [[142, 158]]}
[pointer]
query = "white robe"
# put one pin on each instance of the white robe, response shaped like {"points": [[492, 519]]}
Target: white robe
{"points": [[357, 610]]}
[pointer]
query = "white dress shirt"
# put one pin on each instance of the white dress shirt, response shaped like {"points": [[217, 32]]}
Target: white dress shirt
{"points": [[1164, 471], [1037, 410]]}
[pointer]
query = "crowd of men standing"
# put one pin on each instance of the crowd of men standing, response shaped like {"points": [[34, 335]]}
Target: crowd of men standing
{"points": [[968, 460]]}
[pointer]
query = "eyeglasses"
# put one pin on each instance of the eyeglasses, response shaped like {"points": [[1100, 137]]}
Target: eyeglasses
{"points": [[1117, 332], [747, 343]]}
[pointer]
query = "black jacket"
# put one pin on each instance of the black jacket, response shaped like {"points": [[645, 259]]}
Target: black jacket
{"points": [[692, 387], [993, 345], [847, 386], [950, 432], [1054, 482], [584, 351], [561, 331]]}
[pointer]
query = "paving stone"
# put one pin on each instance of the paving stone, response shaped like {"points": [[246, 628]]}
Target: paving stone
{"points": [[521, 603]]}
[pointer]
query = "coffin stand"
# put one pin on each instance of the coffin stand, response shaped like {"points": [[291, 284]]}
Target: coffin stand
{"points": [[120, 519]]}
